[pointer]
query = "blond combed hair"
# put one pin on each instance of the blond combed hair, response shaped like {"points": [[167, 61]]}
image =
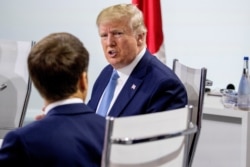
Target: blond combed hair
{"points": [[126, 12]]}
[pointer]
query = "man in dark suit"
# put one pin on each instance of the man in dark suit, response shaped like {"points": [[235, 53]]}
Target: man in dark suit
{"points": [[145, 85], [70, 134]]}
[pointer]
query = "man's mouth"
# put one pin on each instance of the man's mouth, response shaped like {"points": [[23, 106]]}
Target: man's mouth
{"points": [[112, 53]]}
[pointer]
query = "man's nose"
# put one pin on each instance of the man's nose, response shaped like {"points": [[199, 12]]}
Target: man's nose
{"points": [[111, 40]]}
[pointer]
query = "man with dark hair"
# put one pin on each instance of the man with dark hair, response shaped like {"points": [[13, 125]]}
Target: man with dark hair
{"points": [[70, 134]]}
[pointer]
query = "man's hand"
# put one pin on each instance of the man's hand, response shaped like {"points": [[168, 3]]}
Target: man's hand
{"points": [[39, 117]]}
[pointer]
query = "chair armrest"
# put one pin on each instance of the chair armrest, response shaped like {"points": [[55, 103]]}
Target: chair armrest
{"points": [[130, 141]]}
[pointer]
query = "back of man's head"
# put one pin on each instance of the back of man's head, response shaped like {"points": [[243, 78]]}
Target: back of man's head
{"points": [[56, 63]]}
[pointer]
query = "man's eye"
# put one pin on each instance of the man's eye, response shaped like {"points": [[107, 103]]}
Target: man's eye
{"points": [[103, 35], [117, 34]]}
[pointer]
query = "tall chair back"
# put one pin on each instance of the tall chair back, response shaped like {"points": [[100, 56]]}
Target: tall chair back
{"points": [[194, 81], [149, 140], [15, 84]]}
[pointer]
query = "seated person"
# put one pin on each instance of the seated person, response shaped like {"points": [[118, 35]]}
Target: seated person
{"points": [[70, 134], [145, 84]]}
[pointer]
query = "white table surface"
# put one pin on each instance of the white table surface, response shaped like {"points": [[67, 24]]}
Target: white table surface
{"points": [[225, 136]]}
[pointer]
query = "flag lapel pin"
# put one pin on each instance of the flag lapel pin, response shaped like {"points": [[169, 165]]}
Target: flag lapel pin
{"points": [[133, 86]]}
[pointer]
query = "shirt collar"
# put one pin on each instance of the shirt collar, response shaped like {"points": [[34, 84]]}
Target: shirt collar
{"points": [[129, 68], [62, 102]]}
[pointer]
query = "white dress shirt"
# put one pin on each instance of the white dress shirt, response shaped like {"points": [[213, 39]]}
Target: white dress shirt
{"points": [[62, 102], [124, 73]]}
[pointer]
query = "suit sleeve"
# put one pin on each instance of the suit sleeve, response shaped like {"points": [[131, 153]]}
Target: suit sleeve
{"points": [[12, 152], [170, 94]]}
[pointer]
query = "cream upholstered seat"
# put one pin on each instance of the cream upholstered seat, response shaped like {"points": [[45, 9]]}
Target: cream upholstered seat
{"points": [[1, 140], [15, 85], [149, 140], [194, 80]]}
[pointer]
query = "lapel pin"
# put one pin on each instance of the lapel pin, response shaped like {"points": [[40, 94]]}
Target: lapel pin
{"points": [[133, 86]]}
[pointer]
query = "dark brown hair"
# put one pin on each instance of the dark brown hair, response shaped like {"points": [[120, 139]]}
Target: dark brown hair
{"points": [[55, 65]]}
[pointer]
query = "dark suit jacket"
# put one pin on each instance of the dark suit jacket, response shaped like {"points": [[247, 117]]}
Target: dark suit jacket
{"points": [[70, 135], [151, 87]]}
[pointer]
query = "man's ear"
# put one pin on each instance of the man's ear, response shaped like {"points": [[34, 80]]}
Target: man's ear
{"points": [[84, 84], [140, 39]]}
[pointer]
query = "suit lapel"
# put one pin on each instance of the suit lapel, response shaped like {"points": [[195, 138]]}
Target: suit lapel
{"points": [[101, 85], [131, 87], [126, 94]]}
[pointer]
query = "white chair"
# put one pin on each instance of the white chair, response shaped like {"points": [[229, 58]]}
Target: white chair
{"points": [[194, 80], [15, 84], [150, 140], [1, 140]]}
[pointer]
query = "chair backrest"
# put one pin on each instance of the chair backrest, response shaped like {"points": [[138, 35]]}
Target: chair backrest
{"points": [[194, 81], [1, 140], [15, 84], [149, 140]]}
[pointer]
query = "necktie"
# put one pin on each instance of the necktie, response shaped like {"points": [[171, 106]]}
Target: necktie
{"points": [[108, 95]]}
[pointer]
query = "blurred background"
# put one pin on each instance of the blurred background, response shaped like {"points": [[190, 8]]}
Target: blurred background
{"points": [[200, 33]]}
